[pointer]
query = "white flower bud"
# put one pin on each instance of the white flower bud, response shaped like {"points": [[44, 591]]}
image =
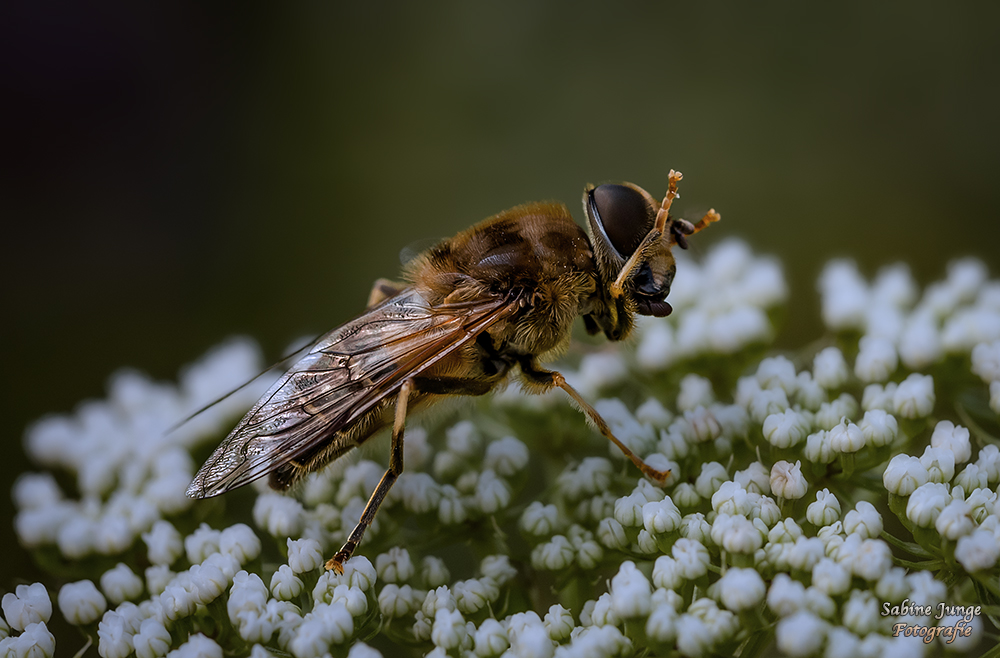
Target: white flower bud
{"points": [[628, 510], [157, 578], [360, 573], [776, 372], [831, 577], [667, 573], [741, 588], [304, 555], [818, 448], [892, 586], [736, 534], [787, 480], [692, 558], [177, 602], [875, 396], [830, 368], [473, 595], [492, 493], [977, 551], [395, 566], [877, 359], [767, 511], [449, 629], [630, 592], [872, 559], [553, 555], [926, 502], [121, 584], [939, 463], [712, 475], [955, 520], [766, 402], [731, 498], [904, 474], [28, 604], [878, 427], [660, 517], [986, 361], [955, 438], [240, 542], [786, 531], [914, 397], [507, 456], [278, 515], [490, 639], [832, 413], [846, 437], [695, 391], [419, 492], [81, 603], [540, 520], [395, 601], [825, 510], [285, 585], [152, 640], [434, 571], [164, 543], [785, 596], [920, 343], [114, 639], [201, 543], [645, 543], [558, 623], [785, 429], [694, 635], [800, 634], [451, 508], [805, 553], [971, 478], [989, 462], [861, 612], [863, 520]]}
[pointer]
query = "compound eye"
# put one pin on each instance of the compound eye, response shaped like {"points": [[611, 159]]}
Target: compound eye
{"points": [[624, 214]]}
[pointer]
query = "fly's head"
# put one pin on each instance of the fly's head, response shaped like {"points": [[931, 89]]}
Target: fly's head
{"points": [[632, 235]]}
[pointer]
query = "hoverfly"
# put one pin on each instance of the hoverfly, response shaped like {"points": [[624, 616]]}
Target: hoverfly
{"points": [[491, 300]]}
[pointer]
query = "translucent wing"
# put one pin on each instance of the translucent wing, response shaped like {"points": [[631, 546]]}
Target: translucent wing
{"points": [[347, 373]]}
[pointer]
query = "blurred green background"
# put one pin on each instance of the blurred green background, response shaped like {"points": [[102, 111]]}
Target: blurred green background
{"points": [[176, 172]]}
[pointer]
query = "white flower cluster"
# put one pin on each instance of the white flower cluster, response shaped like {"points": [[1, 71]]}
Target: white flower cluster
{"points": [[958, 315], [129, 470], [720, 306], [769, 529]]}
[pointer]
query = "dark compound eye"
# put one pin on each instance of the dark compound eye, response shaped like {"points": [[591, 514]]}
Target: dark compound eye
{"points": [[624, 215]]}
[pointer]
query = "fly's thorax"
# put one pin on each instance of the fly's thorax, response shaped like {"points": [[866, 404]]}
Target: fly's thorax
{"points": [[521, 248]]}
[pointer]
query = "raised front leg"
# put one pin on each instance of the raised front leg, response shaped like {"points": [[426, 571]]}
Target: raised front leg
{"points": [[549, 378]]}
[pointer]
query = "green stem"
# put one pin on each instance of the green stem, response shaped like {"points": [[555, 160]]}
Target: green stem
{"points": [[928, 565], [908, 546]]}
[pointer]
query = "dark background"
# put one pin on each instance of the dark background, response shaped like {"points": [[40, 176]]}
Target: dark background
{"points": [[174, 173]]}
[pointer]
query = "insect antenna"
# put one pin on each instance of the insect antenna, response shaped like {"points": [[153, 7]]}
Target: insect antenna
{"points": [[225, 396]]}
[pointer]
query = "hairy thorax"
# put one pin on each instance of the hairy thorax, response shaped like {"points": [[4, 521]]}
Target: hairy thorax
{"points": [[537, 252]]}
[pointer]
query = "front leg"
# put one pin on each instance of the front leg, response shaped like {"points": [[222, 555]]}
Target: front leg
{"points": [[547, 379]]}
